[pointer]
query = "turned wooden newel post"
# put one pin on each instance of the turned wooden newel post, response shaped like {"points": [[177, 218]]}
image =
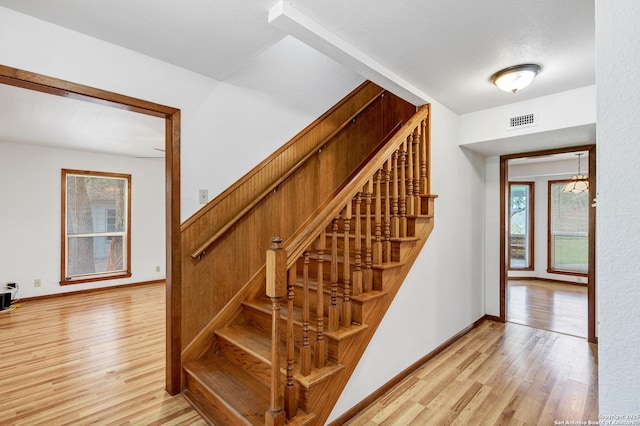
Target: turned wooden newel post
{"points": [[276, 269]]}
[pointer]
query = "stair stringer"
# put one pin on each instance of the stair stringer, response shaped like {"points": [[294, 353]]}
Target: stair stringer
{"points": [[326, 395], [320, 399]]}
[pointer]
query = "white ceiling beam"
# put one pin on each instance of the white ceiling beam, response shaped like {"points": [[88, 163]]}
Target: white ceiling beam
{"points": [[291, 21]]}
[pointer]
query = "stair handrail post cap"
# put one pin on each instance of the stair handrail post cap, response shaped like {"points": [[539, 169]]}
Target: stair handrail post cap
{"points": [[276, 243]]}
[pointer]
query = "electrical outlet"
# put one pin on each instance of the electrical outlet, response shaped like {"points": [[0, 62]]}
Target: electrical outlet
{"points": [[157, 269], [203, 196], [37, 283]]}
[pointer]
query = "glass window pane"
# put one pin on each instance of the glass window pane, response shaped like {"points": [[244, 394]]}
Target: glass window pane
{"points": [[520, 224], [89, 201], [95, 225], [95, 255], [569, 229]]}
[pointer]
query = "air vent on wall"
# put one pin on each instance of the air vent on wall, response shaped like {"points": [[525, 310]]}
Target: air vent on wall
{"points": [[522, 120]]}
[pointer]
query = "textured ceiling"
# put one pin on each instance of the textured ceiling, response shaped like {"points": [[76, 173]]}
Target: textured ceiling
{"points": [[447, 49], [74, 124]]}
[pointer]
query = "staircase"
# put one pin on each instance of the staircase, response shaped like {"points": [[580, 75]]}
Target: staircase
{"points": [[283, 348]]}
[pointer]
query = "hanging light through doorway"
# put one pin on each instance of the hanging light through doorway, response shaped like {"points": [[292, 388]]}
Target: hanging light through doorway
{"points": [[579, 182]]}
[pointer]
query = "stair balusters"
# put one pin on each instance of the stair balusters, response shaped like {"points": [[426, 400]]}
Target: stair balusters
{"points": [[320, 357], [290, 402], [357, 273], [416, 171], [424, 146], [346, 268], [368, 250], [334, 309], [395, 206], [402, 159], [305, 350], [409, 172], [377, 245], [386, 249], [392, 195]]}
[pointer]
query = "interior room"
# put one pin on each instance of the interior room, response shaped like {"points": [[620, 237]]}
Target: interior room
{"points": [[537, 294], [288, 130]]}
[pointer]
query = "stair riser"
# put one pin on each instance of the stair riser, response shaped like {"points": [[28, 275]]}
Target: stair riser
{"points": [[262, 321], [396, 256], [313, 299], [254, 365], [259, 369], [214, 408]]}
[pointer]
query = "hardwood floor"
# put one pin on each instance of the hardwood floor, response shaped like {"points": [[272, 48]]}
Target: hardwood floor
{"points": [[552, 306], [99, 359], [83, 359], [496, 374]]}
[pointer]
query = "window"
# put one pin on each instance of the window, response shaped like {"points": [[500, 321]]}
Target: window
{"points": [[568, 230], [96, 216], [520, 244]]}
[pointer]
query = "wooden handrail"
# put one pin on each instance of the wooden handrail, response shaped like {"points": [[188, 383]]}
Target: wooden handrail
{"points": [[322, 232], [202, 249], [306, 233]]}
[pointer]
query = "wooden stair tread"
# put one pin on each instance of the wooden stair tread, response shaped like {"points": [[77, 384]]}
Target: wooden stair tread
{"points": [[249, 339], [258, 343], [239, 391], [364, 297], [404, 239]]}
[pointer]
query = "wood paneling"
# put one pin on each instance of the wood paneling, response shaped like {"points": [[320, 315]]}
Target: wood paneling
{"points": [[89, 358], [212, 281]]}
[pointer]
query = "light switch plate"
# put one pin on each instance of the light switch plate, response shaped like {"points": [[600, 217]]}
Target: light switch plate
{"points": [[203, 196]]}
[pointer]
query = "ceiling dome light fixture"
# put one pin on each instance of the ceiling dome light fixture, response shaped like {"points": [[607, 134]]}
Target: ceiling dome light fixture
{"points": [[579, 182], [516, 77]]}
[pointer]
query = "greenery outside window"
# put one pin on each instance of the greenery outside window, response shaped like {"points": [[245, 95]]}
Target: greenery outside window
{"points": [[520, 235], [96, 233], [568, 230]]}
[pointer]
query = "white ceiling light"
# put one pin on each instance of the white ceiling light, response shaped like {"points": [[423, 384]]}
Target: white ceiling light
{"points": [[579, 182], [515, 78]]}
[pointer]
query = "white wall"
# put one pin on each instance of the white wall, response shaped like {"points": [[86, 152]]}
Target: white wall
{"points": [[443, 292], [618, 227], [486, 129], [226, 128], [281, 91], [573, 108], [254, 112], [31, 208]]}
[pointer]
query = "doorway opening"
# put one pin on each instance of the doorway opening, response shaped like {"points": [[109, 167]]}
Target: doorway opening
{"points": [[547, 242], [41, 83]]}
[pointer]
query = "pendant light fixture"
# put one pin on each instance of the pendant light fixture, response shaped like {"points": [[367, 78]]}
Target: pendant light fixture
{"points": [[579, 182], [516, 77]]}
